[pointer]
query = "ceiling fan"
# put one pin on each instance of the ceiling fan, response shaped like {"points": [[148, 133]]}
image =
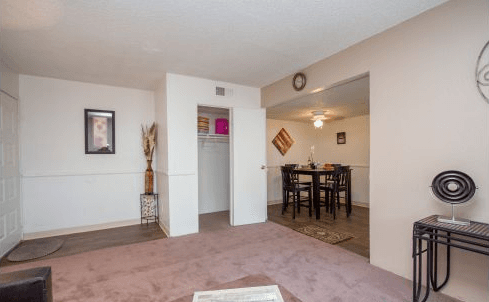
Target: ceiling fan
{"points": [[319, 116]]}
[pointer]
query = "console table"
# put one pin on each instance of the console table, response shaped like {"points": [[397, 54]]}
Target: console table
{"points": [[473, 237], [149, 207]]}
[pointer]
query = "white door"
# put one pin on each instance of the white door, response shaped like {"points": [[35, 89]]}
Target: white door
{"points": [[247, 163], [10, 215]]}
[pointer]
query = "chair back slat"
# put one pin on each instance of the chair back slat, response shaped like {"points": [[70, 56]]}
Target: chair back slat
{"points": [[343, 176], [340, 175]]}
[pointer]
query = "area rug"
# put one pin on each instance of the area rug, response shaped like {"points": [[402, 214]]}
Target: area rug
{"points": [[248, 281], [323, 234], [35, 249]]}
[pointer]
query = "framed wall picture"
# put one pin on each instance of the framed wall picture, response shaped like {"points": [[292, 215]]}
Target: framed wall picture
{"points": [[99, 131], [341, 138]]}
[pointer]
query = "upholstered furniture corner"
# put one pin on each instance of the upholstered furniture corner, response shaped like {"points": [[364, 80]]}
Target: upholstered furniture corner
{"points": [[31, 285]]}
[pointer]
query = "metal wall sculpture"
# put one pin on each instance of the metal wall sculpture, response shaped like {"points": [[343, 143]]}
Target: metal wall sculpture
{"points": [[453, 187], [482, 72]]}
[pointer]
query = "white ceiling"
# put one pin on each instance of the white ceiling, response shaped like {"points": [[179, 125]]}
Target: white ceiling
{"points": [[132, 43], [346, 99]]}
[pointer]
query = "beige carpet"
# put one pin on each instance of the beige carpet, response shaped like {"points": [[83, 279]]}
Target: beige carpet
{"points": [[168, 269]]}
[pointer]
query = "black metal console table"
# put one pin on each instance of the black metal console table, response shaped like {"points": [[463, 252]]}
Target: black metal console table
{"points": [[473, 237], [149, 207]]}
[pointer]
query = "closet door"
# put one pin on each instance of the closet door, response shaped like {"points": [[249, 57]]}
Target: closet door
{"points": [[248, 160]]}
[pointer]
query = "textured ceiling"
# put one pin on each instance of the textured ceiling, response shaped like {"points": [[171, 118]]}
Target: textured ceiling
{"points": [[132, 43], [347, 99]]}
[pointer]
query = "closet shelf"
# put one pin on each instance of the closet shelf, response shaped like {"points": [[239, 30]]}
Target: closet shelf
{"points": [[206, 136]]}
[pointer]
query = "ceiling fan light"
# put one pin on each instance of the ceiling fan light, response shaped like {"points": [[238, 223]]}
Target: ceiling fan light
{"points": [[318, 123]]}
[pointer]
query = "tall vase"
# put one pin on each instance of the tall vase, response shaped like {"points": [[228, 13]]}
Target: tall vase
{"points": [[148, 179]]}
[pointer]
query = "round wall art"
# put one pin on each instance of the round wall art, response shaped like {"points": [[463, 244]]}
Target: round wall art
{"points": [[482, 72]]}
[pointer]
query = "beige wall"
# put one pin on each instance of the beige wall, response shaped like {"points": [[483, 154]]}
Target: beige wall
{"points": [[355, 153], [426, 117], [304, 136], [101, 188], [356, 149]]}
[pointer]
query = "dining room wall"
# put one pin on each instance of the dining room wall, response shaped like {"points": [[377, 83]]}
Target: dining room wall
{"points": [[304, 136], [354, 153], [426, 116]]}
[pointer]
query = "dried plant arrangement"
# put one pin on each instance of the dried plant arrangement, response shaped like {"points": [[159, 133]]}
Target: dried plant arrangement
{"points": [[149, 140]]}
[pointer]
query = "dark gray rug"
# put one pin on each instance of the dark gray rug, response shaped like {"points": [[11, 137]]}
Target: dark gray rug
{"points": [[323, 234], [33, 249]]}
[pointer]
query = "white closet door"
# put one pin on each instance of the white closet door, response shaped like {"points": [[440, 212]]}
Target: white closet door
{"points": [[248, 158], [10, 215]]}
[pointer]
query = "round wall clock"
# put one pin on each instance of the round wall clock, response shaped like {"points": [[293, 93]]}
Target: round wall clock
{"points": [[299, 81]]}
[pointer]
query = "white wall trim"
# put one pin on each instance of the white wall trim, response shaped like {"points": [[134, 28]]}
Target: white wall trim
{"points": [[71, 173], [178, 173], [351, 165], [164, 229], [355, 203], [81, 229]]}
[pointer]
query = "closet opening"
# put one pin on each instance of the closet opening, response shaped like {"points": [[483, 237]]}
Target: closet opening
{"points": [[213, 167]]}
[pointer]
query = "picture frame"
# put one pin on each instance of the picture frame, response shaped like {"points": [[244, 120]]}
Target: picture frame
{"points": [[341, 138], [99, 131]]}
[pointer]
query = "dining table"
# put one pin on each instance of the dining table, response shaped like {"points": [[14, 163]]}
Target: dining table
{"points": [[316, 183]]}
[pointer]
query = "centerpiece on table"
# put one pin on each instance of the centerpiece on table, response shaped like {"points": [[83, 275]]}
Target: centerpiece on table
{"points": [[149, 144]]}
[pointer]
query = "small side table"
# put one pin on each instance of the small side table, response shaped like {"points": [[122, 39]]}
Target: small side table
{"points": [[473, 237], [149, 207]]}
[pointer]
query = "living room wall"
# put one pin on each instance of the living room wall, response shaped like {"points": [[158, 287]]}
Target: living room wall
{"points": [[178, 172], [426, 116], [64, 189]]}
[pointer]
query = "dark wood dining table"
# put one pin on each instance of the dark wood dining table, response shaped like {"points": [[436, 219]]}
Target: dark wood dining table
{"points": [[316, 182]]}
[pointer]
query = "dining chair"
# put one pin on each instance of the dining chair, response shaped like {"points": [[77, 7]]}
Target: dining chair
{"points": [[296, 176], [291, 185], [341, 181], [328, 188]]}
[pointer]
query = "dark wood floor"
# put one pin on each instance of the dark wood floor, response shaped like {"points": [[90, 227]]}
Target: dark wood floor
{"points": [[357, 224], [95, 240]]}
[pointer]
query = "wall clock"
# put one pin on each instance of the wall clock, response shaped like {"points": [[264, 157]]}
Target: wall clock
{"points": [[299, 81]]}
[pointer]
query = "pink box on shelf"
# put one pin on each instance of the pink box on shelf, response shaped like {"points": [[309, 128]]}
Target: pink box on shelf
{"points": [[222, 126]]}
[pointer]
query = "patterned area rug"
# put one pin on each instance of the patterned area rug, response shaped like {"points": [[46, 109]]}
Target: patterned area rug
{"points": [[35, 249], [323, 234]]}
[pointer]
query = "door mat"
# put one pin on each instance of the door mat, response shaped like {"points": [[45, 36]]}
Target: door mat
{"points": [[323, 234], [35, 249]]}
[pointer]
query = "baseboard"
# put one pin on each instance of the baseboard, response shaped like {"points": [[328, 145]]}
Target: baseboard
{"points": [[81, 229], [164, 229], [360, 204], [355, 203]]}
